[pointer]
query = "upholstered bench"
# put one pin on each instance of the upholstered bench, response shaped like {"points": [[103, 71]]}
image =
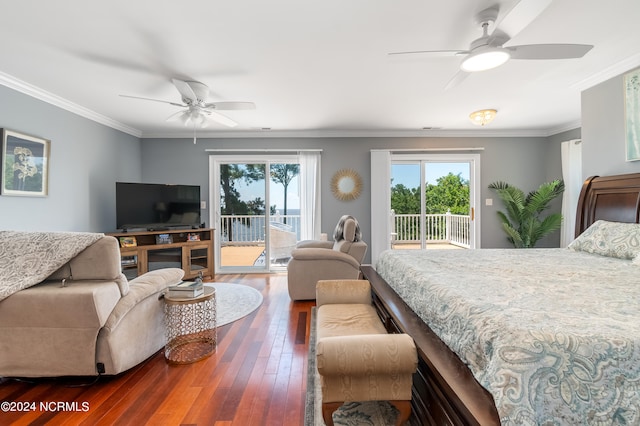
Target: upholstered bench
{"points": [[357, 360]]}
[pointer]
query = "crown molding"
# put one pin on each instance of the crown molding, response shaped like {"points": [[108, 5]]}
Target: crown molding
{"points": [[479, 133], [564, 128], [35, 92], [608, 73]]}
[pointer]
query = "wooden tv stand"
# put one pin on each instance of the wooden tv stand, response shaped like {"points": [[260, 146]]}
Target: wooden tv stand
{"points": [[167, 249]]}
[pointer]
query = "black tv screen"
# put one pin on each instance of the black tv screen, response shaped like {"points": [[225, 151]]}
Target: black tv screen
{"points": [[157, 206]]}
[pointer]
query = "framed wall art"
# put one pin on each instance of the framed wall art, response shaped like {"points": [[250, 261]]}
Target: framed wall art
{"points": [[632, 114], [25, 165]]}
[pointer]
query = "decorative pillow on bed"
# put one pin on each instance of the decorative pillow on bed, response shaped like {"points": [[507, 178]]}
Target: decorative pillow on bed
{"points": [[612, 239]]}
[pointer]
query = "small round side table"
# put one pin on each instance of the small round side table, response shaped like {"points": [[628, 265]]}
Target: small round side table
{"points": [[190, 327]]}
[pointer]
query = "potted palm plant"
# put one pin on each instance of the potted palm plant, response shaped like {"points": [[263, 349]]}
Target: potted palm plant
{"points": [[523, 221]]}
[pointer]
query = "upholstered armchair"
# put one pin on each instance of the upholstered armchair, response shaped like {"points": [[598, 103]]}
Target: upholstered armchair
{"points": [[312, 260]]}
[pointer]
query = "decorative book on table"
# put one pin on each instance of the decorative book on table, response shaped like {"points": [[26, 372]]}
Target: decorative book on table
{"points": [[186, 290]]}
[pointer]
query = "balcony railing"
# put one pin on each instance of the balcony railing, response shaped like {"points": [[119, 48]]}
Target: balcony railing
{"points": [[250, 229], [439, 228]]}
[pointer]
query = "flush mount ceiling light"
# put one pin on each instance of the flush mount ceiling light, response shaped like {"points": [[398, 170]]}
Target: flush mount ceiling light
{"points": [[483, 116], [485, 58]]}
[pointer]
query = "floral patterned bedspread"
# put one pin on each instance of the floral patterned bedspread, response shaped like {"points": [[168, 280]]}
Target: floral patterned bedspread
{"points": [[552, 334]]}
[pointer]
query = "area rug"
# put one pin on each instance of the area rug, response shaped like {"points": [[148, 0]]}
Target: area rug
{"points": [[351, 413], [234, 301]]}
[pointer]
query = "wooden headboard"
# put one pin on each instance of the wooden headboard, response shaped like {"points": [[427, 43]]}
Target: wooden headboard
{"points": [[613, 198]]}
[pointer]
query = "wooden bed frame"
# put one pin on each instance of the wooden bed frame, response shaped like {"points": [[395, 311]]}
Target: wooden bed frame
{"points": [[444, 389]]}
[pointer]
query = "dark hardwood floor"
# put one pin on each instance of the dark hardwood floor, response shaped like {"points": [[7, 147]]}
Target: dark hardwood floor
{"points": [[256, 377]]}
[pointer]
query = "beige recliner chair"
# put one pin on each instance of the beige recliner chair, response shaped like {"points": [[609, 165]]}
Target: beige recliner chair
{"points": [[312, 260]]}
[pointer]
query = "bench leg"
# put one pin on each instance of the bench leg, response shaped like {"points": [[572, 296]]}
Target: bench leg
{"points": [[404, 407], [327, 411]]}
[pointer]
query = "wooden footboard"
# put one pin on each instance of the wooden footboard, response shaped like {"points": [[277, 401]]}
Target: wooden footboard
{"points": [[444, 390]]}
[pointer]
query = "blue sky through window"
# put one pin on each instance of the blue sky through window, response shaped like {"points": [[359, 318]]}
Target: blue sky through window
{"points": [[409, 174]]}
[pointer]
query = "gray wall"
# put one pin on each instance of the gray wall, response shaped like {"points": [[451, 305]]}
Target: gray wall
{"points": [[86, 159], [524, 162], [603, 135]]}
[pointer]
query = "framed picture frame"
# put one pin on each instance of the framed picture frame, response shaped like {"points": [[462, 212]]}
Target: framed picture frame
{"points": [[24, 165], [128, 242], [632, 114], [164, 239]]}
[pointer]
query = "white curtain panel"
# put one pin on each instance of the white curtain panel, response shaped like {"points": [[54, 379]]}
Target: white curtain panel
{"points": [[310, 222], [572, 175], [380, 203]]}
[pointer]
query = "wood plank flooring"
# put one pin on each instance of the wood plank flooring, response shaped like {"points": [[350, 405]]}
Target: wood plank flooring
{"points": [[256, 377]]}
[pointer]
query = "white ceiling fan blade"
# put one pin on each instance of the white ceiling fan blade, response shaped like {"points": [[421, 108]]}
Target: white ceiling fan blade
{"points": [[520, 16], [230, 106], [458, 78], [549, 51], [185, 89], [222, 119], [431, 52], [154, 100]]}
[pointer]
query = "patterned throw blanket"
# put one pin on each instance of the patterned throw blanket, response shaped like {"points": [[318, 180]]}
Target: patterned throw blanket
{"points": [[27, 258]]}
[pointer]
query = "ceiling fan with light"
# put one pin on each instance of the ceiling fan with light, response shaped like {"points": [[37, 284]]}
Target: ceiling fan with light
{"points": [[198, 112], [489, 52]]}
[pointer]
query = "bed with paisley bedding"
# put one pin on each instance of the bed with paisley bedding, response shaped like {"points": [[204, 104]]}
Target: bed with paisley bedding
{"points": [[526, 337]]}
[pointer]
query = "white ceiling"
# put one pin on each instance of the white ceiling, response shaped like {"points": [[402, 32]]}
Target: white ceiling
{"points": [[311, 67]]}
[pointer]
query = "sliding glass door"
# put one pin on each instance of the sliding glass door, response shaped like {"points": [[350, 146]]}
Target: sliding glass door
{"points": [[256, 203], [243, 214], [433, 201]]}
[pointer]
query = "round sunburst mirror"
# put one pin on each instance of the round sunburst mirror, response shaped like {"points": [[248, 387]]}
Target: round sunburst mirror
{"points": [[346, 185]]}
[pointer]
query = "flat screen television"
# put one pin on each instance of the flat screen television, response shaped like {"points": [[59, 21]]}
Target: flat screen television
{"points": [[153, 206]]}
